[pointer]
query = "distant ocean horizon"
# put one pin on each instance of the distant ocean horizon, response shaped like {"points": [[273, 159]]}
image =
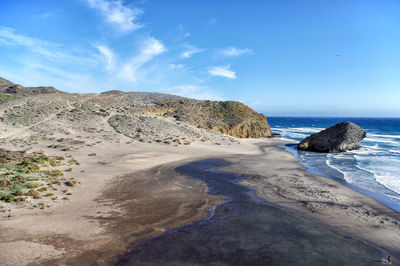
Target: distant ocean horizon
{"points": [[373, 170]]}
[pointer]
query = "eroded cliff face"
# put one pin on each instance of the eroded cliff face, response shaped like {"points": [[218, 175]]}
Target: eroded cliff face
{"points": [[228, 117]]}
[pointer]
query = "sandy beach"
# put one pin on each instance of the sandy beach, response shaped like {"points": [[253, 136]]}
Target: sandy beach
{"points": [[138, 194]]}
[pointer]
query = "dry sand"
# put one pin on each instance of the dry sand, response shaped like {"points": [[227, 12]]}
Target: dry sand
{"points": [[127, 192], [131, 191]]}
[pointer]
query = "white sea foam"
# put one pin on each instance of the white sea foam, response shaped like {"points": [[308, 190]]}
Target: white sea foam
{"points": [[299, 129], [374, 167], [382, 140], [367, 151], [384, 136], [305, 129], [394, 151], [385, 170], [374, 147], [337, 162]]}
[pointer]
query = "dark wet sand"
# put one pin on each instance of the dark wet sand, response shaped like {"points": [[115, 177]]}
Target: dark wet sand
{"points": [[246, 230]]}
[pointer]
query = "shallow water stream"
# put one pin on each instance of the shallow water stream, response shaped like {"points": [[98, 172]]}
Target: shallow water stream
{"points": [[246, 230]]}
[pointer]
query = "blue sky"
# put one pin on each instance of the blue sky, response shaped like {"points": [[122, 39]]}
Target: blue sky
{"points": [[281, 57]]}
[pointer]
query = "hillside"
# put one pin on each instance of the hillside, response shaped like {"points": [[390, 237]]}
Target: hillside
{"points": [[5, 83], [8, 87], [141, 116]]}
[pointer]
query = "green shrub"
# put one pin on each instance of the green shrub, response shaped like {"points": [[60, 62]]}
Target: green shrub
{"points": [[8, 198]]}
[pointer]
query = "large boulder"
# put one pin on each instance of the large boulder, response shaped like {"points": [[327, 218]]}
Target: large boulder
{"points": [[341, 137]]}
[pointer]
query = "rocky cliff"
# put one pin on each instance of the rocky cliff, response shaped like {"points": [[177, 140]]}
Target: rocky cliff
{"points": [[229, 117]]}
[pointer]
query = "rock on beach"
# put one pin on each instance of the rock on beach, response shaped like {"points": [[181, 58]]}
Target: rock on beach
{"points": [[341, 137]]}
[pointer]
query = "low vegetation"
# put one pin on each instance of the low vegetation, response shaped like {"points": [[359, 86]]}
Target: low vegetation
{"points": [[5, 98], [26, 176]]}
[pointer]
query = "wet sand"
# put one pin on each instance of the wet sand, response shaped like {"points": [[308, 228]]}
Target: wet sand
{"points": [[247, 230]]}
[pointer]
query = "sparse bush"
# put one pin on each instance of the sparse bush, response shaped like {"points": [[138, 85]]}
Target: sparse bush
{"points": [[19, 193], [34, 193], [70, 183], [8, 198]]}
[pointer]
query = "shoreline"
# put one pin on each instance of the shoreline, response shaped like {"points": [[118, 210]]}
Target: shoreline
{"points": [[108, 217], [321, 198], [382, 198]]}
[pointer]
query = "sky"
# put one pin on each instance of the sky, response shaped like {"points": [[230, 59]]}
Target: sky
{"points": [[280, 57]]}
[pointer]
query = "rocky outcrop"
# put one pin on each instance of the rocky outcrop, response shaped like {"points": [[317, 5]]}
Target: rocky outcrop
{"points": [[113, 92], [341, 137], [228, 117], [7, 87], [5, 83], [19, 90]]}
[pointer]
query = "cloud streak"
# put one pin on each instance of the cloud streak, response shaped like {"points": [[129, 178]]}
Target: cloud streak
{"points": [[190, 50], [222, 71], [233, 51], [116, 13], [108, 55], [150, 48], [47, 50]]}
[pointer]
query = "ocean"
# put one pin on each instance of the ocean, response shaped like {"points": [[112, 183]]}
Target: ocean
{"points": [[373, 170]]}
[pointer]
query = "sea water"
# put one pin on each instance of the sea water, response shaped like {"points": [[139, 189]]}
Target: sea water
{"points": [[374, 169]]}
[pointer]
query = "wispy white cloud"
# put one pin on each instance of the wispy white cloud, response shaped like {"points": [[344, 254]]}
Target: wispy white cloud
{"points": [[47, 50], [108, 55], [222, 71], [194, 92], [233, 51], [176, 66], [37, 74], [190, 50], [125, 18], [182, 33], [150, 48]]}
